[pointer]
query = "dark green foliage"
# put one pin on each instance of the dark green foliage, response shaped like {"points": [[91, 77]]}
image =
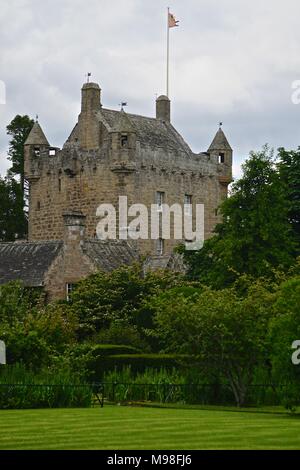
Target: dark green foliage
{"points": [[255, 236], [289, 168], [18, 130], [32, 332], [104, 300], [13, 222], [284, 330]]}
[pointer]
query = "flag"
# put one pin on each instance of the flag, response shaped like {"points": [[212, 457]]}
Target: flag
{"points": [[172, 21]]}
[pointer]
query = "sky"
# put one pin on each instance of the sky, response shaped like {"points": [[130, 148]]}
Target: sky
{"points": [[230, 60]]}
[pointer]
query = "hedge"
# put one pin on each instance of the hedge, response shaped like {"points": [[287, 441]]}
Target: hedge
{"points": [[137, 362]]}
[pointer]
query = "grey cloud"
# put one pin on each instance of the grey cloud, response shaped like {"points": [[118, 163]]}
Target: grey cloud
{"points": [[230, 61]]}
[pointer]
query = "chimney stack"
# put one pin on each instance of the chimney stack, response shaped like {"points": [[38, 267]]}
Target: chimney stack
{"points": [[163, 108], [89, 134], [74, 222]]}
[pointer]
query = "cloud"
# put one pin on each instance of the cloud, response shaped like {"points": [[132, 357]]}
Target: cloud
{"points": [[230, 61]]}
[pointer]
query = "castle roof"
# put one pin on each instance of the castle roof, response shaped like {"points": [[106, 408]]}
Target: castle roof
{"points": [[149, 131], [220, 142], [27, 262], [36, 136], [110, 254]]}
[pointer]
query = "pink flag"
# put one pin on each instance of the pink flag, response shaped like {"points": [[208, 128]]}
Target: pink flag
{"points": [[172, 21]]}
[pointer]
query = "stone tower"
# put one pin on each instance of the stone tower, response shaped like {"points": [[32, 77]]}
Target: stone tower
{"points": [[112, 153]]}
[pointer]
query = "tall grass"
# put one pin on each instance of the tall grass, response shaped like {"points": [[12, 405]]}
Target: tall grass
{"points": [[21, 388]]}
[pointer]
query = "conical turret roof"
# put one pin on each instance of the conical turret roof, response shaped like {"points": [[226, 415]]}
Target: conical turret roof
{"points": [[36, 136], [220, 142]]}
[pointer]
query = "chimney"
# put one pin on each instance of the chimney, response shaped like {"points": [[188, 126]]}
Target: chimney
{"points": [[89, 130], [90, 97], [74, 222], [163, 108]]}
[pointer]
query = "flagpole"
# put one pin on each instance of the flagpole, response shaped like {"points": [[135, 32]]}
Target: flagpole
{"points": [[168, 51]]}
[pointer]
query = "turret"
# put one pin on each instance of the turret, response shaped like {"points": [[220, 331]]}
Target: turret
{"points": [[35, 144], [89, 133], [163, 108], [221, 152]]}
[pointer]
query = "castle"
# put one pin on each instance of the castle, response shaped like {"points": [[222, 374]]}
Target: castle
{"points": [[107, 155]]}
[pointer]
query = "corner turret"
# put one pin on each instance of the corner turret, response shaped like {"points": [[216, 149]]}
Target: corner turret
{"points": [[221, 150], [34, 145]]}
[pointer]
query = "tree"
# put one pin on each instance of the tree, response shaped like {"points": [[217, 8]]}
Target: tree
{"points": [[19, 130], [255, 236], [34, 334], [289, 168], [284, 330], [227, 332], [13, 223], [117, 297]]}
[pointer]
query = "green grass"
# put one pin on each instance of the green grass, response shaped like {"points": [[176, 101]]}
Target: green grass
{"points": [[124, 427]]}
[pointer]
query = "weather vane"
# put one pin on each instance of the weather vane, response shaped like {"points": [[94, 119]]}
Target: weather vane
{"points": [[36, 118], [123, 104], [220, 124], [88, 77]]}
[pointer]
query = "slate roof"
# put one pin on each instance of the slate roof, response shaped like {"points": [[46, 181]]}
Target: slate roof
{"points": [[30, 261], [36, 136], [110, 254], [27, 262], [149, 131], [220, 142]]}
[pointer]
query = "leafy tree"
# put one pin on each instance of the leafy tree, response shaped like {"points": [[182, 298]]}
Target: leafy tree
{"points": [[34, 334], [289, 167], [227, 332], [18, 129], [105, 298], [13, 223], [255, 236], [284, 330]]}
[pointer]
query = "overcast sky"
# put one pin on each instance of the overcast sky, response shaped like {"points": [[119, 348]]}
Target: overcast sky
{"points": [[231, 60]]}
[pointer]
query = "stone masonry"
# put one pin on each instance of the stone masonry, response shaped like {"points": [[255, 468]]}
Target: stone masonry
{"points": [[112, 153]]}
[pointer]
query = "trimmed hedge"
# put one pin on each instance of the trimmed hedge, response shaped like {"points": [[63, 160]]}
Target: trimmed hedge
{"points": [[113, 349], [137, 362]]}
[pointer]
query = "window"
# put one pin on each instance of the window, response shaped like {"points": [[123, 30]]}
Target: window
{"points": [[52, 152], [38, 206], [59, 185], [37, 151], [188, 207], [160, 197], [124, 140], [221, 157], [69, 290], [160, 246]]}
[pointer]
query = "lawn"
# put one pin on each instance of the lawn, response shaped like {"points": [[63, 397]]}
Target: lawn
{"points": [[120, 427]]}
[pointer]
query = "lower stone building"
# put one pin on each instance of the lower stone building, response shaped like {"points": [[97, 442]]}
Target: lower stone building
{"points": [[55, 266]]}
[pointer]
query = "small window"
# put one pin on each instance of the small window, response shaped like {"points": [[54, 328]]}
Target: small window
{"points": [[160, 246], [160, 198], [37, 151], [59, 185], [221, 157], [69, 290], [52, 152], [38, 206], [124, 140], [188, 207]]}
